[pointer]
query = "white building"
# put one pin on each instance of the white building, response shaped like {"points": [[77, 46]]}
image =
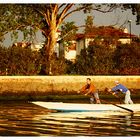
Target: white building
{"points": [[83, 41]]}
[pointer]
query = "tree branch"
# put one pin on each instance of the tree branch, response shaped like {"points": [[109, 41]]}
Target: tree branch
{"points": [[68, 6], [111, 8], [47, 15], [75, 10], [12, 29], [56, 8], [39, 11], [61, 6], [72, 30]]}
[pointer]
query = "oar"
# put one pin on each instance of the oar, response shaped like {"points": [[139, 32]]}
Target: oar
{"points": [[124, 108], [106, 89], [120, 107]]}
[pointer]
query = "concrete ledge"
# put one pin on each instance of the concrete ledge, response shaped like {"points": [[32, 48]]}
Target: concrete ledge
{"points": [[50, 84]]}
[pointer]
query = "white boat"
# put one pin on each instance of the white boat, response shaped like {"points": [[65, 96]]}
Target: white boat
{"points": [[76, 107]]}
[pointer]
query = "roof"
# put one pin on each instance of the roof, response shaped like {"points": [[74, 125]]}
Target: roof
{"points": [[105, 32]]}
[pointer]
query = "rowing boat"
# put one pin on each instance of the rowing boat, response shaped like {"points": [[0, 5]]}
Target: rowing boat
{"points": [[76, 107]]}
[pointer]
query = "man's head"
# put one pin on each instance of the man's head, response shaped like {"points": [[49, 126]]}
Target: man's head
{"points": [[88, 80], [116, 82]]}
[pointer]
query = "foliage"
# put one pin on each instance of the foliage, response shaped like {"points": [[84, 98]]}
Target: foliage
{"points": [[68, 34], [24, 61], [59, 65], [95, 60], [19, 61], [68, 31], [126, 58], [105, 55], [135, 8], [88, 24], [103, 60], [47, 18]]}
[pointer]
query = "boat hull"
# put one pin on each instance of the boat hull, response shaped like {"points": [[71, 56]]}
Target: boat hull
{"points": [[75, 107]]}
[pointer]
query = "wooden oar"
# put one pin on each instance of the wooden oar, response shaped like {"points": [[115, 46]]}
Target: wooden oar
{"points": [[120, 106], [106, 89], [124, 108]]}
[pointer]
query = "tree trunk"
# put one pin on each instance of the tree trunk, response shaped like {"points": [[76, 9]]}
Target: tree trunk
{"points": [[51, 42]]}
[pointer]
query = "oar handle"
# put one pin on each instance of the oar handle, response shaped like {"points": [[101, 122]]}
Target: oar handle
{"points": [[117, 97]]}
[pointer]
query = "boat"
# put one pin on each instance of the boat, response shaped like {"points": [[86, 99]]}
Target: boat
{"points": [[80, 107]]}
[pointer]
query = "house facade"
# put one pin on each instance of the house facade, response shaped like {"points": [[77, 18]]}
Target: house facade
{"points": [[82, 41]]}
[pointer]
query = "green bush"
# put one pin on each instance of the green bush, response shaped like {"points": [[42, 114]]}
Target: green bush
{"points": [[19, 61], [95, 60], [102, 59], [126, 59]]}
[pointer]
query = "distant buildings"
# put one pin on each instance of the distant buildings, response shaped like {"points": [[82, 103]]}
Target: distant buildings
{"points": [[70, 51], [82, 40], [22, 44], [38, 46]]}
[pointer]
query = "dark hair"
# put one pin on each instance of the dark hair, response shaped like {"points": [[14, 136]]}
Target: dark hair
{"points": [[89, 79], [106, 89]]}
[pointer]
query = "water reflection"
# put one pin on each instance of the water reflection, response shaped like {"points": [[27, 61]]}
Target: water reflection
{"points": [[26, 119]]}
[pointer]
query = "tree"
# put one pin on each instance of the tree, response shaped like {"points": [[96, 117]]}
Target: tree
{"points": [[135, 8], [88, 24], [29, 18], [44, 17], [126, 59], [68, 31], [95, 60], [68, 34], [17, 60]]}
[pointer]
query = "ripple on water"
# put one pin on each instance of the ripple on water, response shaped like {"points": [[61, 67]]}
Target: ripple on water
{"points": [[26, 119]]}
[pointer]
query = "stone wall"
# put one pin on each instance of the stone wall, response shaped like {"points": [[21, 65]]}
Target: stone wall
{"points": [[47, 84]]}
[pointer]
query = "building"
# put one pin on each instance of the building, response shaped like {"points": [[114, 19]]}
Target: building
{"points": [[22, 44], [82, 40], [70, 52], [36, 47]]}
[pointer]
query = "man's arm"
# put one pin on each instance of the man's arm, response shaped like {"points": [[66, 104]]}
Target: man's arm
{"points": [[111, 91], [91, 89], [115, 89], [82, 89]]}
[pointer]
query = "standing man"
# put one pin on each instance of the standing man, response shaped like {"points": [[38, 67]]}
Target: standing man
{"points": [[123, 89], [89, 89]]}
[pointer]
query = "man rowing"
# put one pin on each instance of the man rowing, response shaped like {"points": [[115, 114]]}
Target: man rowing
{"points": [[124, 90], [89, 89]]}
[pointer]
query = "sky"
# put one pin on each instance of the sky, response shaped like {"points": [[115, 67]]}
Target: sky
{"points": [[104, 19], [100, 19]]}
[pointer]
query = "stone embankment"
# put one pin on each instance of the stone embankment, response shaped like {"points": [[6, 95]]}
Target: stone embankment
{"points": [[66, 84]]}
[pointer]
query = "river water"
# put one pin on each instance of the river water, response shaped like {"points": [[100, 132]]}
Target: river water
{"points": [[27, 119]]}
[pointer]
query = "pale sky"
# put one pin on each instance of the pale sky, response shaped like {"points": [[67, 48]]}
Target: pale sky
{"points": [[108, 19], [100, 19]]}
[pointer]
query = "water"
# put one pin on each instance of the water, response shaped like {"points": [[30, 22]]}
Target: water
{"points": [[27, 119]]}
